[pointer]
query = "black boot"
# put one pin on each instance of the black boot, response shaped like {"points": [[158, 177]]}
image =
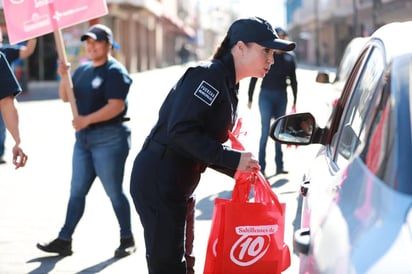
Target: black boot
{"points": [[62, 247], [126, 248]]}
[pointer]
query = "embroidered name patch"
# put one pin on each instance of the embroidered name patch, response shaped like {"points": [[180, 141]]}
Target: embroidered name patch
{"points": [[206, 92]]}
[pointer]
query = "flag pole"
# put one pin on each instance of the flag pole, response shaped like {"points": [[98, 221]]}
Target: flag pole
{"points": [[66, 78]]}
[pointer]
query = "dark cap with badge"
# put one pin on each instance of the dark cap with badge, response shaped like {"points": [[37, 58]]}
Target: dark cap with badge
{"points": [[257, 30], [98, 32]]}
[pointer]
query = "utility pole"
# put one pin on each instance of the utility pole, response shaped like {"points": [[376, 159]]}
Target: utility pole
{"points": [[376, 6], [355, 31], [317, 42]]}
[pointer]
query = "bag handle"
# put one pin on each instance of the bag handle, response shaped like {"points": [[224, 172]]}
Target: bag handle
{"points": [[244, 180], [263, 193]]}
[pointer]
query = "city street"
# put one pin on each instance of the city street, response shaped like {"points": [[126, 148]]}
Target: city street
{"points": [[33, 199]]}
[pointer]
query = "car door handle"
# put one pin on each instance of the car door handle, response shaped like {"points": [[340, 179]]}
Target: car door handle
{"points": [[301, 240], [304, 188]]}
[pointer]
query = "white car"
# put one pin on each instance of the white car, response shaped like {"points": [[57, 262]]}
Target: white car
{"points": [[357, 195]]}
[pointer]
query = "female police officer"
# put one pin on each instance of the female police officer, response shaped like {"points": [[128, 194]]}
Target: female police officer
{"points": [[193, 124]]}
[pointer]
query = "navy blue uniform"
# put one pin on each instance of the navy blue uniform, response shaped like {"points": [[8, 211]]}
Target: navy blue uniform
{"points": [[94, 86], [9, 85], [11, 52], [193, 124]]}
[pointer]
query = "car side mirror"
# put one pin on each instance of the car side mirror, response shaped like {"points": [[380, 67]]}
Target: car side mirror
{"points": [[296, 128]]}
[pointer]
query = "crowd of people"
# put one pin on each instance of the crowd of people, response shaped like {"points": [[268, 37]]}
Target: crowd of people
{"points": [[188, 137]]}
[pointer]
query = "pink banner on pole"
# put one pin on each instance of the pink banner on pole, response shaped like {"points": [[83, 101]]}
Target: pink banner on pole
{"points": [[26, 19]]}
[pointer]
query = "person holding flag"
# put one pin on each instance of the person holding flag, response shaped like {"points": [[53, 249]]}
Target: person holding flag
{"points": [[102, 142]]}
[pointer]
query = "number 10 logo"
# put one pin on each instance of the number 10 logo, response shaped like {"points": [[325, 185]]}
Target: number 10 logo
{"points": [[249, 249]]}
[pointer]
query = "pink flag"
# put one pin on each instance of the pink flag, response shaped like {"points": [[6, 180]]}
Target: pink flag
{"points": [[26, 19]]}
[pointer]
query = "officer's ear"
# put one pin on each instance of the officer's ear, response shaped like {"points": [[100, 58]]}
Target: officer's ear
{"points": [[239, 48]]}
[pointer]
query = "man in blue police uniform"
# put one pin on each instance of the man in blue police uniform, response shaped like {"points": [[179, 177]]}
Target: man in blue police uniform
{"points": [[273, 99], [9, 88]]}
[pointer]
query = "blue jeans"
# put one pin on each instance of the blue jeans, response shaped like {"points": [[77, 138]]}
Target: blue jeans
{"points": [[272, 105], [100, 152], [2, 135]]}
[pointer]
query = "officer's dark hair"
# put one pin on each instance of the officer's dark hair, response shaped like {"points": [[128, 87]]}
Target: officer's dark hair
{"points": [[223, 48]]}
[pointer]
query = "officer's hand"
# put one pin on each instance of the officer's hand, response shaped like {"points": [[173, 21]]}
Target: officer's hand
{"points": [[248, 162]]}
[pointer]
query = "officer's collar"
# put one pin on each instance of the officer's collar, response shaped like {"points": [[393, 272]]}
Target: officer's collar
{"points": [[229, 66]]}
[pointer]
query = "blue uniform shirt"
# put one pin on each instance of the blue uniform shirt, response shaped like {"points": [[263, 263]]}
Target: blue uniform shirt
{"points": [[198, 112], [94, 86], [8, 82], [12, 53]]}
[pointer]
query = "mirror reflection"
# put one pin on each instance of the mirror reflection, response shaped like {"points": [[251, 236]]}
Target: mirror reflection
{"points": [[295, 128]]}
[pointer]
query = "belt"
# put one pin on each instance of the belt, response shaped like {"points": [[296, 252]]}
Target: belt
{"points": [[156, 147], [109, 122]]}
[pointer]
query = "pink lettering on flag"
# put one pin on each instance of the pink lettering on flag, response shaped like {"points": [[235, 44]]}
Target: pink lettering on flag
{"points": [[26, 19]]}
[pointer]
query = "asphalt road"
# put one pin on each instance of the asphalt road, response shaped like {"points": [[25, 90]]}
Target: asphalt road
{"points": [[33, 199]]}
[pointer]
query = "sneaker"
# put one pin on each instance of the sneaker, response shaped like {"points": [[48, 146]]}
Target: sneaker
{"points": [[2, 161], [62, 247], [126, 248]]}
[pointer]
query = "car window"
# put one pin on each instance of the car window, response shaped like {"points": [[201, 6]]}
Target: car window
{"points": [[355, 113], [388, 152], [377, 153]]}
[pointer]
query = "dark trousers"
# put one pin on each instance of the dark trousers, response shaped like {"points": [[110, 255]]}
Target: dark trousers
{"points": [[161, 186]]}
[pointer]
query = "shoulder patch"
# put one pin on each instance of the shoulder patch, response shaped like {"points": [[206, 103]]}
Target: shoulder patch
{"points": [[206, 92]]}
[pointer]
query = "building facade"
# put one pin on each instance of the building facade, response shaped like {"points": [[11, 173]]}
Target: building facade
{"points": [[322, 28], [149, 33]]}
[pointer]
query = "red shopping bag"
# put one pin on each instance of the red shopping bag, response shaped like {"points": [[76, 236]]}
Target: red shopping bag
{"points": [[247, 233], [211, 252], [253, 240]]}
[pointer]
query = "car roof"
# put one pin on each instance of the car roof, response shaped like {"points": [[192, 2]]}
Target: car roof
{"points": [[396, 38]]}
